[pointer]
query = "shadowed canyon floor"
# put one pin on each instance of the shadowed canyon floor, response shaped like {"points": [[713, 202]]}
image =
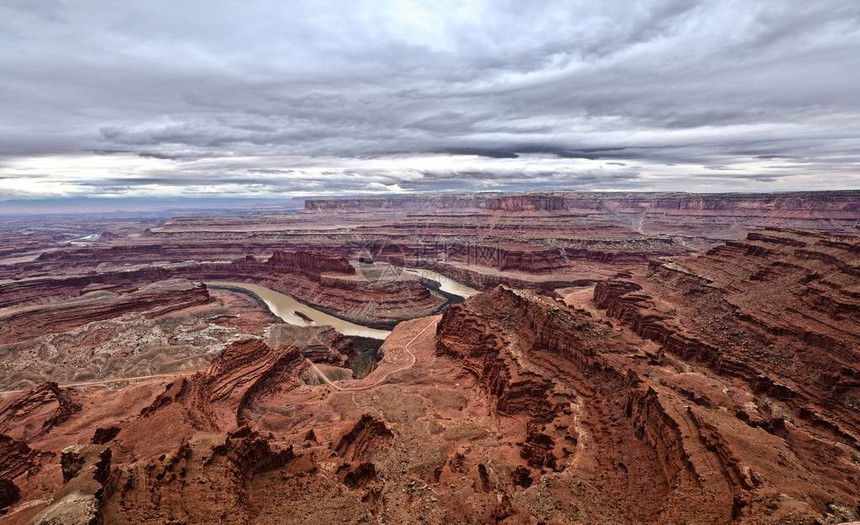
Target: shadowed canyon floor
{"points": [[538, 358]]}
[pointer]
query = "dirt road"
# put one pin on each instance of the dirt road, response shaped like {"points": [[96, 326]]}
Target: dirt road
{"points": [[383, 378]]}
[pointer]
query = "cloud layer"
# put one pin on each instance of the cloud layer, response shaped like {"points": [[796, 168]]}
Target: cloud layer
{"points": [[261, 99]]}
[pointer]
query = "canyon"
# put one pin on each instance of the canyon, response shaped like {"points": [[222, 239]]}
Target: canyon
{"points": [[541, 357]]}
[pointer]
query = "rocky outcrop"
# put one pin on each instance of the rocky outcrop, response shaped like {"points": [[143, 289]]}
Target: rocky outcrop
{"points": [[368, 436], [9, 494], [583, 393], [220, 398], [320, 344], [652, 423], [199, 482], [152, 300], [538, 448], [756, 311], [242, 374], [37, 411], [537, 322], [206, 476], [477, 344], [359, 476], [639, 312], [365, 437], [16, 458], [103, 435], [504, 338], [86, 471], [762, 310]]}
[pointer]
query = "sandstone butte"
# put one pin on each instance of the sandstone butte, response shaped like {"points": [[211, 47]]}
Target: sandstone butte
{"points": [[631, 358]]}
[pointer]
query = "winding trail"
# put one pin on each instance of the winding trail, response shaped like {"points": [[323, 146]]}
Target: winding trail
{"points": [[105, 381], [313, 365], [383, 378]]}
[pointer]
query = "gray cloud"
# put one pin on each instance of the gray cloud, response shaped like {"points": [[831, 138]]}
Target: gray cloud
{"points": [[264, 99]]}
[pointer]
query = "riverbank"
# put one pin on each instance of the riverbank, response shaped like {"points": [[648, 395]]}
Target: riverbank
{"points": [[294, 312]]}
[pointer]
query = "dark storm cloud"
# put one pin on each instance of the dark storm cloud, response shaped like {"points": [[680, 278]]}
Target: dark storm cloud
{"points": [[513, 152], [174, 98]]}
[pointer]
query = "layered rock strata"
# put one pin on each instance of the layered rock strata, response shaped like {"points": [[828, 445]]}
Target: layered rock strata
{"points": [[590, 398], [157, 299]]}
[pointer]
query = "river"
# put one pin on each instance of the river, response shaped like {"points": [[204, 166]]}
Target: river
{"points": [[446, 284], [286, 307]]}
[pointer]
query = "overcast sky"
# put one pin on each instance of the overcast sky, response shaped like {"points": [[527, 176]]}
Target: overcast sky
{"points": [[260, 99]]}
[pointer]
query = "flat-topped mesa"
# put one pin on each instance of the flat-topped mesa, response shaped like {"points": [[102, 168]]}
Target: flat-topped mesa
{"points": [[518, 203], [507, 256], [349, 204], [400, 203], [521, 257], [412, 203], [845, 202], [309, 264], [584, 203]]}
